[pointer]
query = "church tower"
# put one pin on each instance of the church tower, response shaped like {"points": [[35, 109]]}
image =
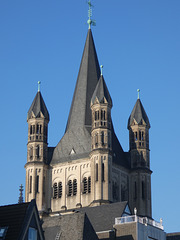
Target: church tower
{"points": [[101, 143], [37, 150], [140, 179]]}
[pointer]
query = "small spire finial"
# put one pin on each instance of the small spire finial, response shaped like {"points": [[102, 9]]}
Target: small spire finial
{"points": [[39, 86], [138, 90], [20, 194], [90, 21], [101, 69]]}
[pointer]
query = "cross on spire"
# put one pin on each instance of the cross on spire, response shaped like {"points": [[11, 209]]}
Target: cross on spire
{"points": [[90, 21]]}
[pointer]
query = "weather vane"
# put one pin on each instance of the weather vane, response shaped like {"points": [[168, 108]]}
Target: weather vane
{"points": [[90, 21]]}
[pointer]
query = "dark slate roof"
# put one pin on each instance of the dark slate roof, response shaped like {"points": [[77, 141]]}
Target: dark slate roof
{"points": [[89, 73], [101, 92], [38, 106], [74, 226], [17, 217], [12, 216], [77, 135], [103, 217], [138, 113]]}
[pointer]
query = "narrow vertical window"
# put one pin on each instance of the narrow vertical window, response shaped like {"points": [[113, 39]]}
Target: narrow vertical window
{"points": [[102, 138], [89, 184], [96, 171], [96, 139], [31, 152], [59, 189], [136, 136], [85, 185], [96, 115], [74, 187], [37, 183], [69, 188], [102, 172], [140, 135], [37, 151], [30, 184], [55, 190], [31, 129], [37, 129]]}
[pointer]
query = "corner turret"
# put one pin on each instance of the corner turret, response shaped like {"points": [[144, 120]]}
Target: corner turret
{"points": [[101, 143], [37, 151], [138, 126]]}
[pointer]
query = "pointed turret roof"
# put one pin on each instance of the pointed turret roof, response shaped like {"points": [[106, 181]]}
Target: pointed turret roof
{"points": [[101, 92], [38, 106], [89, 72], [138, 114]]}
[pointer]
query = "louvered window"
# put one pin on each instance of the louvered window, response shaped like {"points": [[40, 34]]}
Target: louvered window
{"points": [[59, 189], [55, 190], [69, 188], [74, 187], [89, 184]]}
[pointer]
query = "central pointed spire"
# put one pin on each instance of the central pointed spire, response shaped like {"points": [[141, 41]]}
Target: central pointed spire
{"points": [[89, 73]]}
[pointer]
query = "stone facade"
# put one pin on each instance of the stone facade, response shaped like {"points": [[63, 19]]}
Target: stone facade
{"points": [[88, 167]]}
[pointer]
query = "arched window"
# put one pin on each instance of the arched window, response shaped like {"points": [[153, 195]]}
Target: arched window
{"points": [[85, 185], [89, 184], [55, 190], [69, 188], [59, 189], [74, 187]]}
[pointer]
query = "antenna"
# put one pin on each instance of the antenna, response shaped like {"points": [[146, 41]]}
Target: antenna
{"points": [[90, 21]]}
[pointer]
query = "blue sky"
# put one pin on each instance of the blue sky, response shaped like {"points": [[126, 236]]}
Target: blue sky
{"points": [[137, 41]]}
